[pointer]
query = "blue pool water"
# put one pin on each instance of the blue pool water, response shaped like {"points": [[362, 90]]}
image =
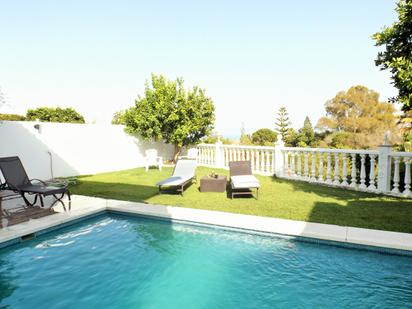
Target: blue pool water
{"points": [[114, 261]]}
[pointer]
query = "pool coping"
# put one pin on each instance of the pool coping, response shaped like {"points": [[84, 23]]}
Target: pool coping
{"points": [[318, 231]]}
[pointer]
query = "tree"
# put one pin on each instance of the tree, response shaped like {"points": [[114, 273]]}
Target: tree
{"points": [[359, 113], [54, 114], [119, 117], [305, 137], [282, 122], [264, 137], [245, 139], [170, 113], [397, 56], [12, 117]]}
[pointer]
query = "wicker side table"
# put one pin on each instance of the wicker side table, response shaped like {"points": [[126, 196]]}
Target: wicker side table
{"points": [[209, 184]]}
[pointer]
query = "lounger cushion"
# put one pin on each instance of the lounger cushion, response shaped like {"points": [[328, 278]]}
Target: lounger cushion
{"points": [[174, 181], [245, 181]]}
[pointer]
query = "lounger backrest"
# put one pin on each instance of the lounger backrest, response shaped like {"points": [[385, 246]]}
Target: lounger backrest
{"points": [[13, 172], [185, 167], [238, 168]]}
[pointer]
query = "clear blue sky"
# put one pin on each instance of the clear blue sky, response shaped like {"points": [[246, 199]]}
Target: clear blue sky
{"points": [[251, 56]]}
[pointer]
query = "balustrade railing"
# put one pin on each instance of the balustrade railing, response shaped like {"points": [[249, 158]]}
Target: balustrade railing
{"points": [[342, 168], [401, 162], [378, 171]]}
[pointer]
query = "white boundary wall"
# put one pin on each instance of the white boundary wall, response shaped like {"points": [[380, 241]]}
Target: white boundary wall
{"points": [[75, 149]]}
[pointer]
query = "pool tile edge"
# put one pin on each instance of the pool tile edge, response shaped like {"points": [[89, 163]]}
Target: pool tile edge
{"points": [[328, 232]]}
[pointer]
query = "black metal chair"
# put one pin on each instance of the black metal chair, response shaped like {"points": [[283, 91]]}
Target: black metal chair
{"points": [[17, 180]]}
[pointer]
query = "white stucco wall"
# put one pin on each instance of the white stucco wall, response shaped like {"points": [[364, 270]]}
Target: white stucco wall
{"points": [[76, 149]]}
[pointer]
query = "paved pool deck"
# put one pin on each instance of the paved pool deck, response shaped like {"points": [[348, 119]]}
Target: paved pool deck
{"points": [[83, 206]]}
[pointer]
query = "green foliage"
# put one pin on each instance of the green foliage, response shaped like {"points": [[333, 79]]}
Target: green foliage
{"points": [[305, 137], [397, 56], [12, 117], [54, 114], [168, 112], [264, 137], [282, 123], [119, 117], [212, 139], [245, 139], [340, 140], [359, 113]]}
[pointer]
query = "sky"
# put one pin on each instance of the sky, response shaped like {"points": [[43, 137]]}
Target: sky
{"points": [[252, 57]]}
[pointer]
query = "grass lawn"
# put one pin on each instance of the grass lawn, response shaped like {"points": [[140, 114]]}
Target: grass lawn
{"points": [[277, 198]]}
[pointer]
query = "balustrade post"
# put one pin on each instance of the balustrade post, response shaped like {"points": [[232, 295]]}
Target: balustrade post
{"points": [[313, 172], [306, 165], [362, 173], [353, 173], [336, 172], [396, 176], [344, 170], [277, 154], [328, 168], [285, 163], [292, 159], [320, 176], [407, 191], [299, 164], [219, 155], [372, 186], [384, 168]]}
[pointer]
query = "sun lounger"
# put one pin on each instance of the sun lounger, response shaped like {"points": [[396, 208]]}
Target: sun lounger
{"points": [[242, 180], [17, 180], [183, 174]]}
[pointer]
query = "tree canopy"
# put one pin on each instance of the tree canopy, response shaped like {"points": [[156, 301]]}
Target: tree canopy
{"points": [[168, 112], [54, 114], [359, 113], [12, 117], [397, 56], [119, 117], [264, 137], [282, 122]]}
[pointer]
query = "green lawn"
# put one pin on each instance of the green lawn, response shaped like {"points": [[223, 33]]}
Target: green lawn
{"points": [[278, 198]]}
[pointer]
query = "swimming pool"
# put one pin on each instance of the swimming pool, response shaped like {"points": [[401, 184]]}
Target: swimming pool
{"points": [[116, 261]]}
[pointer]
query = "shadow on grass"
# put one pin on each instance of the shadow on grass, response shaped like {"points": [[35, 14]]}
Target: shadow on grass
{"points": [[117, 190], [387, 215], [332, 192]]}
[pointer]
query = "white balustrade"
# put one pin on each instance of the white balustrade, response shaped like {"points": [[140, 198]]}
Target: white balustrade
{"points": [[328, 168], [407, 191], [336, 181], [320, 176], [372, 186], [312, 164], [313, 172], [293, 163], [396, 175], [306, 165], [353, 173], [299, 174], [362, 185], [344, 170]]}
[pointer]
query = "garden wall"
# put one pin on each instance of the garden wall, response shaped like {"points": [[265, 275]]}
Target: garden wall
{"points": [[73, 149]]}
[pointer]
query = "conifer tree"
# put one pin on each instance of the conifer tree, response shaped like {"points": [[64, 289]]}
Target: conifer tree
{"points": [[282, 122]]}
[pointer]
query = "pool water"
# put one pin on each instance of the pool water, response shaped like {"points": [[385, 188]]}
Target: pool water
{"points": [[114, 261]]}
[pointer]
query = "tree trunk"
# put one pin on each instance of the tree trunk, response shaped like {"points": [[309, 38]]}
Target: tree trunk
{"points": [[176, 154]]}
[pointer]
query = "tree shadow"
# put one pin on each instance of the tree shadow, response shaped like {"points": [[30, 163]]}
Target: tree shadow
{"points": [[328, 191], [122, 191], [365, 214]]}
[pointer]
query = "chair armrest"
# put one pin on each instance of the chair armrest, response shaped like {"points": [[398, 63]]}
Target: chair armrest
{"points": [[39, 180]]}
